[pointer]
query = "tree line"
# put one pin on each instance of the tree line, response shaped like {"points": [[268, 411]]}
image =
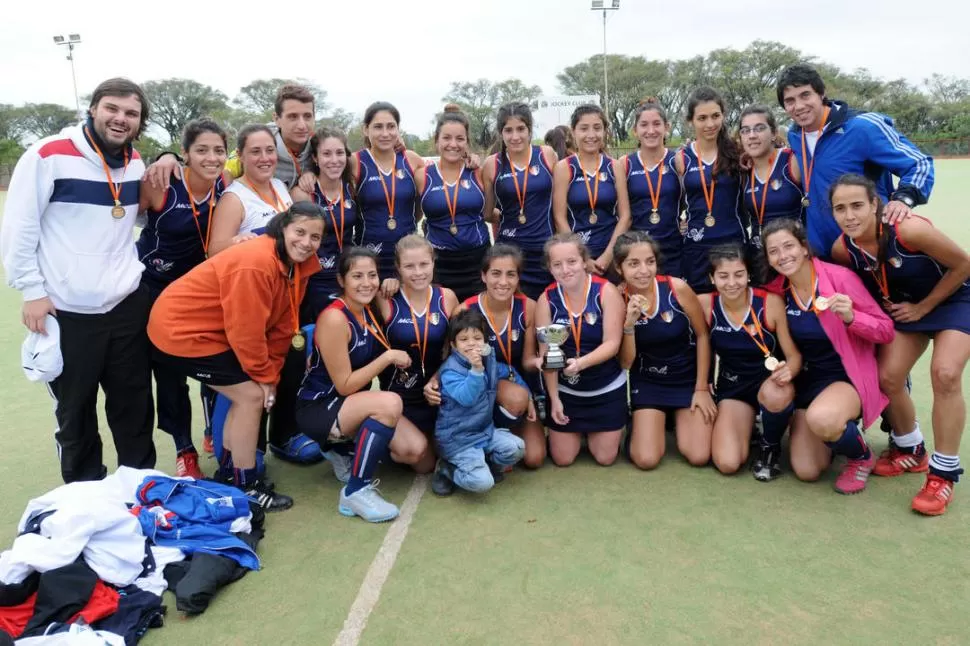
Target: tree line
{"points": [[936, 109]]}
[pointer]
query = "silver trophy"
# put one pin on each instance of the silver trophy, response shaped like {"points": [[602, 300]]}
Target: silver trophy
{"points": [[554, 336]]}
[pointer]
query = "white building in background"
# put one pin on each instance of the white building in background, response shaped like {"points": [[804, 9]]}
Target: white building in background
{"points": [[551, 111]]}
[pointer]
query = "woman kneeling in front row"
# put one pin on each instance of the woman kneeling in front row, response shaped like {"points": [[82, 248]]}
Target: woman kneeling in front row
{"points": [[334, 401]]}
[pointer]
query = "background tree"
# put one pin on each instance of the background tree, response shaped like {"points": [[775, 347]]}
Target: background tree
{"points": [[259, 96], [39, 120], [481, 99], [177, 101]]}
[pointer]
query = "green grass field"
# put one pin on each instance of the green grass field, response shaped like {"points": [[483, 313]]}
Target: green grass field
{"points": [[582, 555]]}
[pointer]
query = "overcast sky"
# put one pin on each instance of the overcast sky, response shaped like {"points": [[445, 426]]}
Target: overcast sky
{"points": [[408, 51]]}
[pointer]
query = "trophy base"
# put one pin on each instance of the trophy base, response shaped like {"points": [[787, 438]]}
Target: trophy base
{"points": [[555, 363]]}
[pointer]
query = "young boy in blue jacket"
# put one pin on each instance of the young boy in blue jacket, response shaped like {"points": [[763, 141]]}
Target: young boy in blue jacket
{"points": [[469, 444]]}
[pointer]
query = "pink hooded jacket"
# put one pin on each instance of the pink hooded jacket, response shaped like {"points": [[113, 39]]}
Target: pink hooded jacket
{"points": [[855, 343]]}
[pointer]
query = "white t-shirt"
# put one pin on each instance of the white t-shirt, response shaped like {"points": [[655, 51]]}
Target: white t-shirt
{"points": [[257, 212], [811, 138]]}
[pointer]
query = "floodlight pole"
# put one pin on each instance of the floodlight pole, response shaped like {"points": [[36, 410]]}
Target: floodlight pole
{"points": [[604, 6], [71, 41]]}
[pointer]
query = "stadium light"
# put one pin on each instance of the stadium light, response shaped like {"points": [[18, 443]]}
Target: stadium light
{"points": [[602, 5], [71, 41]]}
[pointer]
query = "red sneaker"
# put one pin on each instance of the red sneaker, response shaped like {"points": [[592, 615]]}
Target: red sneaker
{"points": [[854, 475], [894, 462], [935, 495], [207, 444], [187, 465]]}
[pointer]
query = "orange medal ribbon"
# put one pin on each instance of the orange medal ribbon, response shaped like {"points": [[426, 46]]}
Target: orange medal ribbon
{"points": [[654, 197], [760, 210], [593, 194], [577, 329], [195, 213], [375, 330], [296, 162], [758, 335], [391, 197], [277, 204], [525, 182], [708, 196], [422, 347], [879, 276], [115, 188], [295, 299], [451, 201], [338, 228], [507, 353], [807, 168], [798, 301]]}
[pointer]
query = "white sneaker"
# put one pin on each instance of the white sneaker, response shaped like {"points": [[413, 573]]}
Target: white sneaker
{"points": [[368, 504], [341, 464]]}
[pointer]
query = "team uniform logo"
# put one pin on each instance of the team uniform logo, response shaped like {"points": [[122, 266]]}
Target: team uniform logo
{"points": [[515, 336], [572, 380], [465, 184], [400, 173], [603, 176], [161, 266], [434, 318], [896, 262], [667, 316], [533, 170], [775, 184], [591, 318]]}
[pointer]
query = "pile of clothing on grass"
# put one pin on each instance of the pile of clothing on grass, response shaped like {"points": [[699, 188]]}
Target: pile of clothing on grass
{"points": [[92, 559]]}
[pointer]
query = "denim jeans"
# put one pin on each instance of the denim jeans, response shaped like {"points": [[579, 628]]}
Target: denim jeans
{"points": [[469, 468]]}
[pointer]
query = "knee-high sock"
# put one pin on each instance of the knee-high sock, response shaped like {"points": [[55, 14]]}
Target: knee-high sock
{"points": [[773, 425], [852, 445], [373, 441]]}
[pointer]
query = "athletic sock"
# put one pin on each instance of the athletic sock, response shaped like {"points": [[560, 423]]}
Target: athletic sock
{"points": [[245, 477], [225, 461], [909, 443], [852, 445], [773, 426], [373, 440], [946, 466]]}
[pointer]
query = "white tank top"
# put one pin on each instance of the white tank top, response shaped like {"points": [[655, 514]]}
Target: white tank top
{"points": [[257, 212]]}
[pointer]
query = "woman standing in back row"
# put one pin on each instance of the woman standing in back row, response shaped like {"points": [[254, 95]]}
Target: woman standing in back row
{"points": [[655, 190], [710, 171], [520, 178], [589, 197]]}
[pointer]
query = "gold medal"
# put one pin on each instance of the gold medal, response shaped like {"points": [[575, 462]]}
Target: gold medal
{"points": [[522, 219], [593, 218], [298, 342], [392, 224], [511, 376], [771, 363], [806, 202], [117, 211], [454, 229], [821, 303], [654, 217], [709, 221]]}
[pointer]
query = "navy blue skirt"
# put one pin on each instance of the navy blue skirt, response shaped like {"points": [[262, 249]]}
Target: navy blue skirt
{"points": [[605, 412]]}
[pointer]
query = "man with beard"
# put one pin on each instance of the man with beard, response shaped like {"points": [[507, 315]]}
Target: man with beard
{"points": [[67, 246]]}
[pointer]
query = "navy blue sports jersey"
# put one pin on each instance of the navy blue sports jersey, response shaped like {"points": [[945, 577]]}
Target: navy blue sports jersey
{"points": [[409, 383], [173, 241], [741, 361], [819, 358], [467, 198], [372, 202], [601, 186], [725, 208], [515, 328], [667, 189], [536, 182], [341, 216], [363, 348], [666, 347], [910, 276], [590, 324], [779, 197]]}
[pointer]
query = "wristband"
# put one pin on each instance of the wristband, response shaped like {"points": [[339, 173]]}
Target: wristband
{"points": [[628, 331]]}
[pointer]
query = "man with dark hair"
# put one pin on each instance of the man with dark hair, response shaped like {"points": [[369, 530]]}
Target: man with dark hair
{"points": [[293, 114], [830, 139], [67, 245]]}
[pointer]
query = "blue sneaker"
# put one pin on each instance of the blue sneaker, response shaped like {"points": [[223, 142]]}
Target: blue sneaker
{"points": [[341, 463], [368, 504], [299, 449]]}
